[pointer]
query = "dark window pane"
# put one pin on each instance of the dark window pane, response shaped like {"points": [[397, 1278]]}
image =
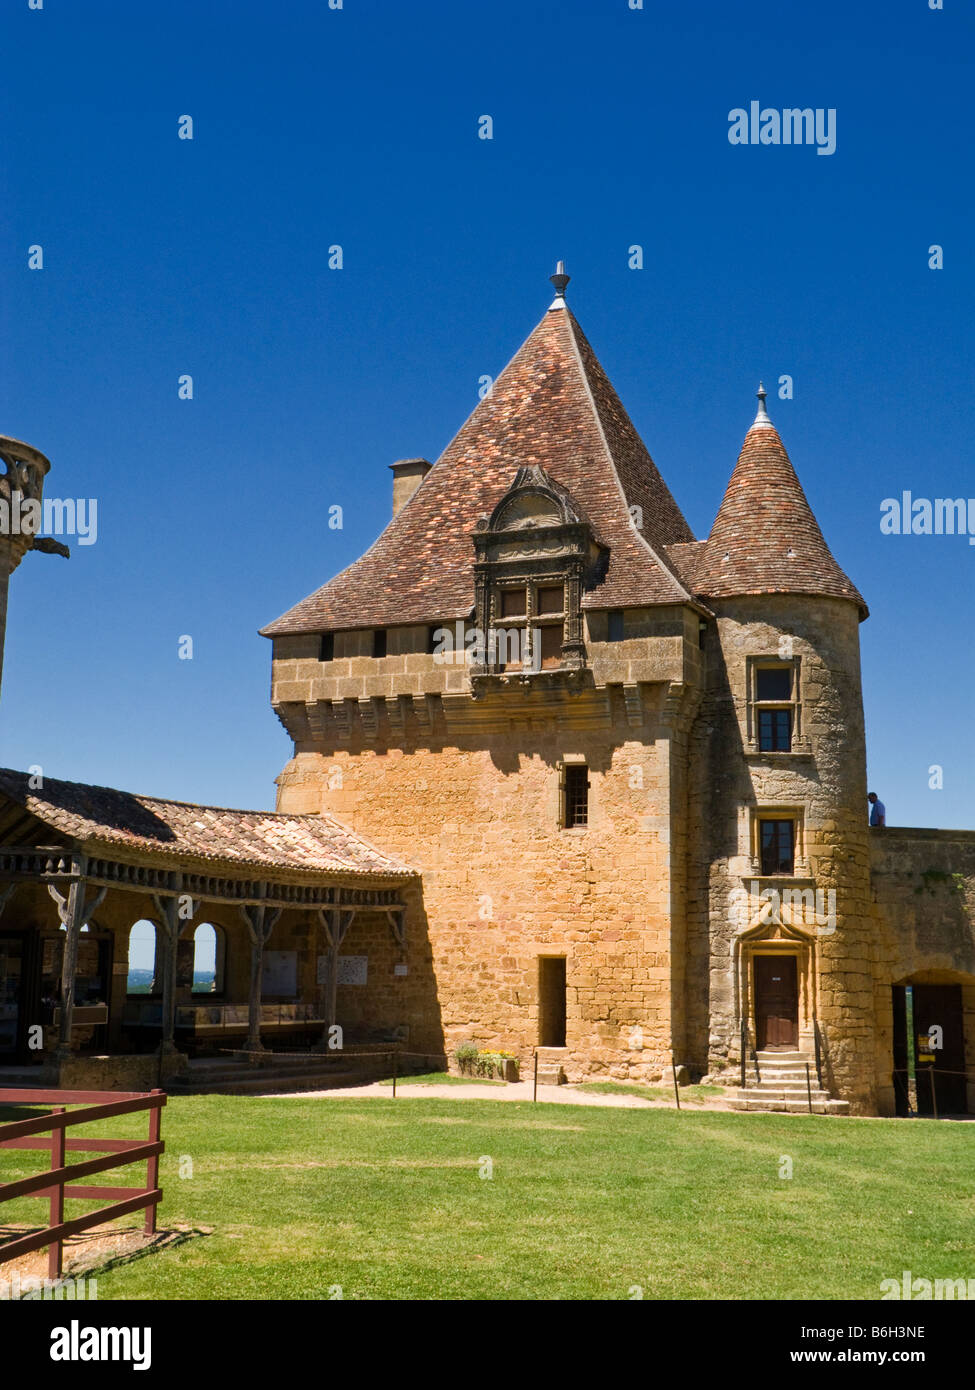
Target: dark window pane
{"points": [[616, 625], [773, 683], [379, 642], [513, 603], [577, 794], [506, 647], [550, 645], [775, 730], [777, 840], [551, 600], [326, 651]]}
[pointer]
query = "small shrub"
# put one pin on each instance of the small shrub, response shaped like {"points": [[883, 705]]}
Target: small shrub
{"points": [[466, 1055]]}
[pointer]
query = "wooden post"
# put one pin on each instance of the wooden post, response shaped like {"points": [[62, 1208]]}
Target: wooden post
{"points": [[55, 1250], [74, 913], [676, 1087], [335, 922], [69, 961], [535, 1085], [261, 921], [254, 1043], [934, 1098], [152, 1167], [808, 1089], [168, 909], [395, 1070]]}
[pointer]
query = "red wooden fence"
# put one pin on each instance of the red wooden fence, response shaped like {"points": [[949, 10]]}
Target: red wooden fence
{"points": [[60, 1179]]}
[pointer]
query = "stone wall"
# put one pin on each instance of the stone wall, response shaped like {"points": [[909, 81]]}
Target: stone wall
{"points": [[504, 883], [924, 915]]}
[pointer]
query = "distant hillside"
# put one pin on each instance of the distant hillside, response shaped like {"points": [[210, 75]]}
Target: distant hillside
{"points": [[140, 981]]}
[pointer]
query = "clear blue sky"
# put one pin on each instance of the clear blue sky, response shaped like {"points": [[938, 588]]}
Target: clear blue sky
{"points": [[359, 127]]}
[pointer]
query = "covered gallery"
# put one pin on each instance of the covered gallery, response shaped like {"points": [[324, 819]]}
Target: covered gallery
{"points": [[301, 922]]}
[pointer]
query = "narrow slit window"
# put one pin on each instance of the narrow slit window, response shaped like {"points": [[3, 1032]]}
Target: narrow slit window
{"points": [[576, 794], [379, 642], [326, 648]]}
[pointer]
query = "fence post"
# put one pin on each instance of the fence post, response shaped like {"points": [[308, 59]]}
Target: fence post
{"points": [[808, 1089], [934, 1098], [55, 1249], [676, 1088], [152, 1166], [535, 1084], [395, 1071]]}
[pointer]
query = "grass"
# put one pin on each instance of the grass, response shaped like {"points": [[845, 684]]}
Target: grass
{"points": [[696, 1095], [443, 1078], [384, 1198]]}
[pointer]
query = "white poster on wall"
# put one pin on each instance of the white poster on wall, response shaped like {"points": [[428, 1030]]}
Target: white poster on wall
{"points": [[353, 970], [280, 973]]}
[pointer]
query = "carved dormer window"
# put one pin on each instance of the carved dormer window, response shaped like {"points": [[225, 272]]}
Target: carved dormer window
{"points": [[535, 555]]}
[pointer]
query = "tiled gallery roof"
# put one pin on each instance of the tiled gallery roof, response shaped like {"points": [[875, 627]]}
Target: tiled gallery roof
{"points": [[102, 819], [765, 539], [554, 406]]}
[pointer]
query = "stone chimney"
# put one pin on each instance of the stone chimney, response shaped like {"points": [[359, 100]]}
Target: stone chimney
{"points": [[408, 474]]}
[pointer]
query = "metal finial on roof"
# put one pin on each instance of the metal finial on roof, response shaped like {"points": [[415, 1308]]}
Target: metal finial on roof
{"points": [[762, 417], [559, 280]]}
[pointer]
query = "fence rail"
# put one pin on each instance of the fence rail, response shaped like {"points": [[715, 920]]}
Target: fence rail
{"points": [[60, 1180]]}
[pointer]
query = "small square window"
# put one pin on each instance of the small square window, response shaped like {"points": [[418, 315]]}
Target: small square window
{"points": [[326, 647], [576, 795], [615, 625], [551, 600], [514, 603], [379, 642], [777, 846], [773, 683]]}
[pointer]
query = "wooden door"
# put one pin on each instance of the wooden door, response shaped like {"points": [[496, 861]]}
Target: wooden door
{"points": [[776, 1002]]}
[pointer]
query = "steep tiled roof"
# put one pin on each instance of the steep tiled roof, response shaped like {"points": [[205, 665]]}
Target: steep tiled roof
{"points": [[765, 539], [101, 819], [553, 406]]}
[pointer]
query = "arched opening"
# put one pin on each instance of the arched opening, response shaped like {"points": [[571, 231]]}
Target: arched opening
{"points": [[933, 1052], [209, 959], [143, 958]]}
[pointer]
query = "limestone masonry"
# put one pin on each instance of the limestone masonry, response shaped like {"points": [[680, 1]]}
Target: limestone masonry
{"points": [[644, 841], [565, 781]]}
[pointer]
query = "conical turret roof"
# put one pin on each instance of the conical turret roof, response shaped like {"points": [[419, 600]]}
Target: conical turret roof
{"points": [[552, 406], [765, 538]]}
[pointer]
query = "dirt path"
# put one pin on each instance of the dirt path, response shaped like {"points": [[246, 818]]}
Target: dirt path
{"points": [[514, 1090]]}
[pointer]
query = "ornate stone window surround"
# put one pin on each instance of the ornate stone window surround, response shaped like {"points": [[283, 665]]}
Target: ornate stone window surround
{"points": [[753, 850], [534, 539], [799, 745]]}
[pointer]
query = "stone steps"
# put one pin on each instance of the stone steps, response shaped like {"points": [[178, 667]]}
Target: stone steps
{"points": [[313, 1073], [259, 1080], [790, 1107]]}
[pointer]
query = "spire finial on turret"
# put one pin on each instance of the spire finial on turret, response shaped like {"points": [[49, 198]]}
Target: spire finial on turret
{"points": [[559, 280], [762, 418]]}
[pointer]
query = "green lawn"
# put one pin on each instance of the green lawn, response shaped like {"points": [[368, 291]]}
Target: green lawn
{"points": [[383, 1197]]}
